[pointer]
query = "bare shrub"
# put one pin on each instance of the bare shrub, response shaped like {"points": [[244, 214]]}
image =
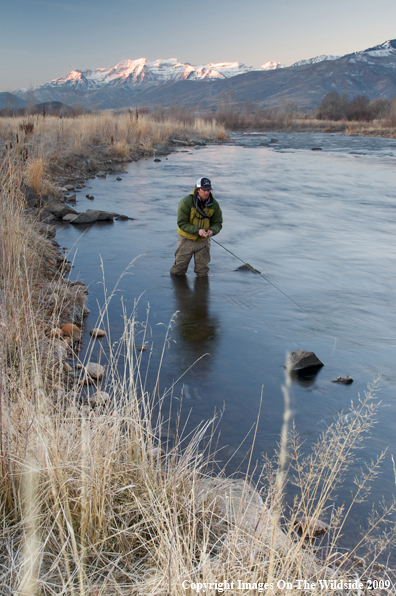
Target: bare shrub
{"points": [[35, 168]]}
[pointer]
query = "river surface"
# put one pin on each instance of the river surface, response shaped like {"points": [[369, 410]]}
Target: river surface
{"points": [[319, 225]]}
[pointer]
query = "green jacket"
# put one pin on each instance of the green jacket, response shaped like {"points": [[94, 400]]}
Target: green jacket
{"points": [[191, 217]]}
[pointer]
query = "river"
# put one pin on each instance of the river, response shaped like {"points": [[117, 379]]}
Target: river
{"points": [[320, 225]]}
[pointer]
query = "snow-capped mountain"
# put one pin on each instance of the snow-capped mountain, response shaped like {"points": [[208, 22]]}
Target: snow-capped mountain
{"points": [[370, 72], [142, 71], [388, 48], [315, 60]]}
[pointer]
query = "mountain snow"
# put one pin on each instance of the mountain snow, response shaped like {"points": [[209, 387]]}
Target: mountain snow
{"points": [[387, 48], [315, 60], [272, 65], [136, 72]]}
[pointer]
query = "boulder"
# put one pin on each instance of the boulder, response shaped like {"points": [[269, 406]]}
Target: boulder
{"points": [[69, 186], [311, 526], [72, 331], [67, 368], [100, 398], [85, 218], [197, 141], [30, 197], [123, 217], [69, 217], [161, 149], [59, 209], [300, 360], [102, 215], [47, 231], [45, 216], [97, 333], [343, 380], [247, 267], [96, 371], [91, 165], [180, 142], [93, 215]]}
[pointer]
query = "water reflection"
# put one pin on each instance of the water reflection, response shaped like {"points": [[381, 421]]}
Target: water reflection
{"points": [[196, 327]]}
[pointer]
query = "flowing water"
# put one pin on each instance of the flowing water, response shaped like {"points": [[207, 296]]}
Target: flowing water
{"points": [[320, 225]]}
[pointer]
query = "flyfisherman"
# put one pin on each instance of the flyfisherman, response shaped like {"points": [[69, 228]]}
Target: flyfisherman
{"points": [[198, 218]]}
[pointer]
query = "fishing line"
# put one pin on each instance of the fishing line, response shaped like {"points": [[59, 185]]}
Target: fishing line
{"points": [[272, 284]]}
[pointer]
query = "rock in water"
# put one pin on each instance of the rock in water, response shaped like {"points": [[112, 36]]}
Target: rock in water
{"points": [[247, 267], [343, 380], [311, 526], [95, 333], [300, 360], [96, 371]]}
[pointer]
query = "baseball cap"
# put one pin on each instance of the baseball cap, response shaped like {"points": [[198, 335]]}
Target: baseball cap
{"points": [[204, 183]]}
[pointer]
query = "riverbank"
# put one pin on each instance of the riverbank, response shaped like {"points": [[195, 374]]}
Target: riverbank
{"points": [[97, 500], [288, 122]]}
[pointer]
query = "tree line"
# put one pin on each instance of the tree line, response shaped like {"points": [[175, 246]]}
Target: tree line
{"points": [[338, 107]]}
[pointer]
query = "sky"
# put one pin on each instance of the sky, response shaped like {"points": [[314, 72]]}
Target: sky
{"points": [[41, 40]]}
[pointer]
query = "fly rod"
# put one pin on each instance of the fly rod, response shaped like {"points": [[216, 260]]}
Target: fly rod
{"points": [[268, 281]]}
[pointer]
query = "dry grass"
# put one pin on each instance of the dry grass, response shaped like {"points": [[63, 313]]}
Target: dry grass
{"points": [[89, 504], [49, 143]]}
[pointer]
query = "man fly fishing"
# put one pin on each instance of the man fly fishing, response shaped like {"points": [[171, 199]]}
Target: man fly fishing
{"points": [[199, 218]]}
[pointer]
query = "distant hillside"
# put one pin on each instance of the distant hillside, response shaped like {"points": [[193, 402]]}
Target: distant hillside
{"points": [[47, 108], [8, 100]]}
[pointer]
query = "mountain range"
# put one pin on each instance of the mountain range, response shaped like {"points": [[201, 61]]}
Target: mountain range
{"points": [[131, 83]]}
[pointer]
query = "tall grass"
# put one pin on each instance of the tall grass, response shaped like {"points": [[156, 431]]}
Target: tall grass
{"points": [[95, 502], [49, 144]]}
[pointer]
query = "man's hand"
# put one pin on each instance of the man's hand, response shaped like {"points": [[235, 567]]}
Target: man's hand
{"points": [[204, 234]]}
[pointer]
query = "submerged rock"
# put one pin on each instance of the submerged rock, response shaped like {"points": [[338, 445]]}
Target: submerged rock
{"points": [[142, 348], [247, 267], [301, 360], [343, 380]]}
